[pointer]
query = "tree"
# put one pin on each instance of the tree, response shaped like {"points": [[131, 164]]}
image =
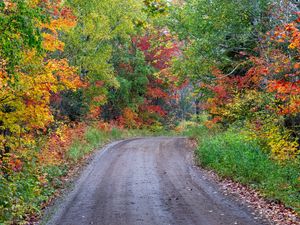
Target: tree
{"points": [[28, 83], [102, 27], [216, 33]]}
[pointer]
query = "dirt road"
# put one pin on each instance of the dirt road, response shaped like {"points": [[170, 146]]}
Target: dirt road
{"points": [[148, 181]]}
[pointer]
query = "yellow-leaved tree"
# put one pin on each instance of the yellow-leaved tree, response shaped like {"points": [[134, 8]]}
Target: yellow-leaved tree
{"points": [[29, 75]]}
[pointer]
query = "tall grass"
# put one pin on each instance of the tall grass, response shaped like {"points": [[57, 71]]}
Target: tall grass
{"points": [[234, 156], [93, 138]]}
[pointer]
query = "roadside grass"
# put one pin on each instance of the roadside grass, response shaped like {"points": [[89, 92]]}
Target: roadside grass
{"points": [[95, 138], [234, 156]]}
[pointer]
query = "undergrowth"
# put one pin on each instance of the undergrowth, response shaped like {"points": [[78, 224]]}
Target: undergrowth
{"points": [[234, 156]]}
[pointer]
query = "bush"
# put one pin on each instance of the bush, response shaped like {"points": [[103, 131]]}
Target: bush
{"points": [[20, 194]]}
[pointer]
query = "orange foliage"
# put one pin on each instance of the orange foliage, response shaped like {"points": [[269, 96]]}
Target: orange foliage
{"points": [[54, 152], [129, 119], [270, 87], [25, 96]]}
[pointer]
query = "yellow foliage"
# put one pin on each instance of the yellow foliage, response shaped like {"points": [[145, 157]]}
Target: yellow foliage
{"points": [[51, 43], [130, 118], [185, 125], [282, 146], [255, 108], [25, 95], [277, 140]]}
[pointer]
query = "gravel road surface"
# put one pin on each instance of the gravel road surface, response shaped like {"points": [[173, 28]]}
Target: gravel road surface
{"points": [[148, 181]]}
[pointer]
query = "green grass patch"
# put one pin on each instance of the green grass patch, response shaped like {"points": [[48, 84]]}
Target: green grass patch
{"points": [[93, 138], [233, 156]]}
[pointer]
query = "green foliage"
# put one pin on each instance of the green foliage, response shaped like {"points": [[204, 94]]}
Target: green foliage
{"points": [[133, 73], [20, 194], [116, 133], [244, 60], [232, 155], [70, 104], [156, 7], [74, 104], [93, 138], [19, 31], [216, 31], [102, 27], [52, 176], [77, 150]]}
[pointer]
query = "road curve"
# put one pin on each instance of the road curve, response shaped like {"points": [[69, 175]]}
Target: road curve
{"points": [[147, 181]]}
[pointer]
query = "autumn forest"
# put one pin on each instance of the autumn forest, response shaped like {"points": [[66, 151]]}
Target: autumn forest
{"points": [[77, 74]]}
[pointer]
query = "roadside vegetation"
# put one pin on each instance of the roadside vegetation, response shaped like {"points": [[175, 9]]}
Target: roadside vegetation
{"points": [[75, 74], [232, 154]]}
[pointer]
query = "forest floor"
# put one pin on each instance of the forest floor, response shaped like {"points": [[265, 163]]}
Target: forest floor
{"points": [[148, 181]]}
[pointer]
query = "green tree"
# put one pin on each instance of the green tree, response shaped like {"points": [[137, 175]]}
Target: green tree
{"points": [[216, 33], [102, 26], [133, 72], [19, 31]]}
